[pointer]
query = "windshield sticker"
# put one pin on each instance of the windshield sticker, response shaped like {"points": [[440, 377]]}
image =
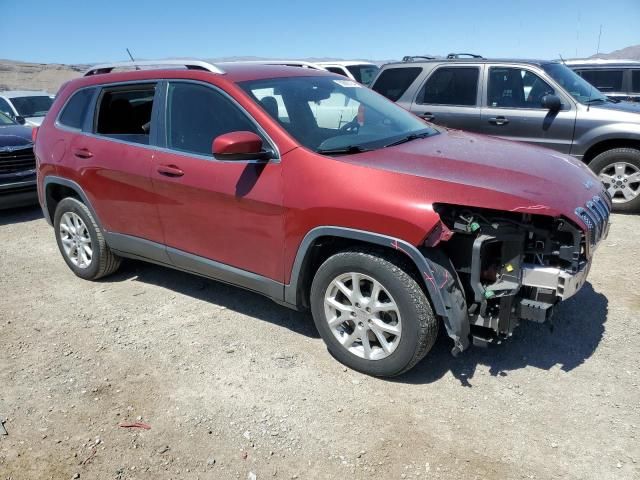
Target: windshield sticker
{"points": [[348, 83]]}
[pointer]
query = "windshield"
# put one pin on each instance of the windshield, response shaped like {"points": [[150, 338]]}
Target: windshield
{"points": [[329, 114], [574, 84], [363, 73], [34, 106], [5, 120]]}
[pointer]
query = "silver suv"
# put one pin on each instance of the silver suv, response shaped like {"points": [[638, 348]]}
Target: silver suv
{"points": [[540, 102]]}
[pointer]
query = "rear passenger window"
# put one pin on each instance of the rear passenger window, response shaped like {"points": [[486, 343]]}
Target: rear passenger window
{"points": [[635, 81], [604, 80], [393, 82], [74, 112], [125, 113], [451, 86], [197, 114]]}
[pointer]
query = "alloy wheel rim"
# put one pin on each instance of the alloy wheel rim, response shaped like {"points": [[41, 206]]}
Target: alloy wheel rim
{"points": [[363, 316], [76, 241], [622, 181]]}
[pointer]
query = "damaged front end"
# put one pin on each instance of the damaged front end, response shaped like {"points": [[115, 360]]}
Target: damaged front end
{"points": [[514, 266]]}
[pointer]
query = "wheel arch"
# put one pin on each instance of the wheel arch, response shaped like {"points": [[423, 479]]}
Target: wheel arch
{"points": [[57, 188], [609, 144], [321, 242]]}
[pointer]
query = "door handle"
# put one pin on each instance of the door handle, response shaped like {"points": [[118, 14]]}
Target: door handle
{"points": [[499, 120], [170, 171], [428, 116], [82, 153]]}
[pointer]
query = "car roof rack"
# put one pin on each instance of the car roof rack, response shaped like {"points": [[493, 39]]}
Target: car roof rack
{"points": [[453, 56], [284, 63], [411, 58], [188, 64]]}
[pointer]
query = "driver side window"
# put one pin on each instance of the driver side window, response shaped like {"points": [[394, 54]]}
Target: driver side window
{"points": [[197, 114], [516, 88]]}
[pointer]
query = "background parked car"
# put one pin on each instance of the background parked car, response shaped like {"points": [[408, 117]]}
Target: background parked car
{"points": [[26, 107], [17, 165], [540, 102], [361, 72], [618, 79]]}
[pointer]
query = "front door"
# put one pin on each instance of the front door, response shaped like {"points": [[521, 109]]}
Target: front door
{"points": [[229, 212], [513, 110]]}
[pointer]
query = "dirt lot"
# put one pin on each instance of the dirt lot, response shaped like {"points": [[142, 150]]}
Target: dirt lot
{"points": [[233, 385]]}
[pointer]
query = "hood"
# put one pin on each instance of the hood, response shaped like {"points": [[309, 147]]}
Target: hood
{"points": [[474, 170], [622, 106], [14, 136], [612, 113]]}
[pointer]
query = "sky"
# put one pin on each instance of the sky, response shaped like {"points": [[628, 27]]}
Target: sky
{"points": [[86, 31]]}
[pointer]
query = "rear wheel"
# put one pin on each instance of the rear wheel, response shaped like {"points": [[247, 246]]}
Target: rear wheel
{"points": [[619, 170], [81, 242], [371, 313]]}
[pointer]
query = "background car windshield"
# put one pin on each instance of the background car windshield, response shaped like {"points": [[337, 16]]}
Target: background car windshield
{"points": [[363, 73], [5, 120], [575, 85], [326, 113], [34, 106]]}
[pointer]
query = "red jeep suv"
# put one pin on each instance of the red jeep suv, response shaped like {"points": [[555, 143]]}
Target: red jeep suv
{"points": [[321, 194]]}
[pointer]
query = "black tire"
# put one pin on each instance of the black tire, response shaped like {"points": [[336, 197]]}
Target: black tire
{"points": [[103, 261], [419, 325], [610, 157]]}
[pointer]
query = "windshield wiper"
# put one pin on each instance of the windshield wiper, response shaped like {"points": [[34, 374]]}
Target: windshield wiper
{"points": [[408, 138], [591, 100], [348, 150]]}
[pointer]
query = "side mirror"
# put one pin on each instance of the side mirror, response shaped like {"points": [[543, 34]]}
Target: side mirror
{"points": [[239, 146], [551, 102], [20, 119]]}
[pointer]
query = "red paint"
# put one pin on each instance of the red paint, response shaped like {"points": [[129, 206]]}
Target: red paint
{"points": [[254, 216]]}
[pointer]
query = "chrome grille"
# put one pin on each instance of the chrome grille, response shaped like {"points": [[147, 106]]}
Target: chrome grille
{"points": [[17, 161], [595, 215]]}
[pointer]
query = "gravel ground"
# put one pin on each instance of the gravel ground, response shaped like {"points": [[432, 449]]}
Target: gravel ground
{"points": [[235, 386]]}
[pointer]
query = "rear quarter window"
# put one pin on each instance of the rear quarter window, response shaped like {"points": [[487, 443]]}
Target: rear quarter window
{"points": [[75, 111], [393, 82]]}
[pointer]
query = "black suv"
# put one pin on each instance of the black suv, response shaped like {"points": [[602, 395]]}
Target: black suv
{"points": [[540, 102], [17, 165]]}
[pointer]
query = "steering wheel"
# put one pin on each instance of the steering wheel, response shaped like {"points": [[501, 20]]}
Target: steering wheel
{"points": [[352, 127]]}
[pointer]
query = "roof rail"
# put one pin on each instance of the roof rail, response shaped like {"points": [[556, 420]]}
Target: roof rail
{"points": [[284, 63], [411, 58], [452, 56], [188, 64]]}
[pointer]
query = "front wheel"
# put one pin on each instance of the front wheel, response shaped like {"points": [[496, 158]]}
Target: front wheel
{"points": [[371, 313], [619, 170]]}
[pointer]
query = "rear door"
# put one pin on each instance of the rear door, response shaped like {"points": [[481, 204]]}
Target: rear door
{"points": [[111, 157], [512, 109], [450, 97]]}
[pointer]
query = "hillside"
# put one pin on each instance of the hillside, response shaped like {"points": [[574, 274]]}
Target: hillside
{"points": [[628, 53], [35, 76]]}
